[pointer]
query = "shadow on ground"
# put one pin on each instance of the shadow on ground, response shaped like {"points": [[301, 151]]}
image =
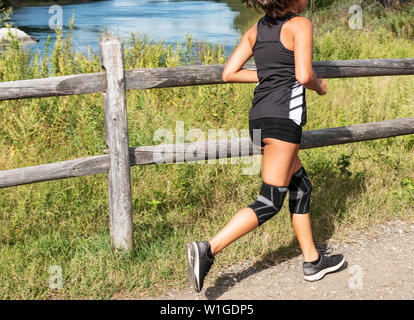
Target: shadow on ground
{"points": [[330, 195]]}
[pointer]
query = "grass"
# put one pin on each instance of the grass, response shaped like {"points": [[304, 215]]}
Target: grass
{"points": [[66, 222]]}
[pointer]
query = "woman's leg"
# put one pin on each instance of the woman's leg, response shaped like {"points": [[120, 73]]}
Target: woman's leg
{"points": [[279, 159], [241, 223], [301, 224]]}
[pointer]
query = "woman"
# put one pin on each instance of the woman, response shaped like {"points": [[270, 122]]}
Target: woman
{"points": [[281, 43]]}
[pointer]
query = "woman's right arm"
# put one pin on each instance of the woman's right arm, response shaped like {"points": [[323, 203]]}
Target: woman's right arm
{"points": [[303, 38], [233, 71]]}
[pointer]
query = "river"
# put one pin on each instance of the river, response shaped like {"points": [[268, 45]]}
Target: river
{"points": [[162, 20]]}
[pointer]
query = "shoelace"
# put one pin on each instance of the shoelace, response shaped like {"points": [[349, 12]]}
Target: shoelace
{"points": [[323, 248]]}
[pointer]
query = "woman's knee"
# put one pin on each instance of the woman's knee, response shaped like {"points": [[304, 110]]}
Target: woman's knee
{"points": [[300, 189]]}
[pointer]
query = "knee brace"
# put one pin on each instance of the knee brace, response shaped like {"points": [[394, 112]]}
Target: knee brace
{"points": [[269, 202], [300, 189]]}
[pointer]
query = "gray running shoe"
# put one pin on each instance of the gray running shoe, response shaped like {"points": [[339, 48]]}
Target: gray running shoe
{"points": [[326, 265], [199, 263]]}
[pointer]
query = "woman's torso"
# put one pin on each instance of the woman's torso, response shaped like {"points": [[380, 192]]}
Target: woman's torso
{"points": [[278, 94]]}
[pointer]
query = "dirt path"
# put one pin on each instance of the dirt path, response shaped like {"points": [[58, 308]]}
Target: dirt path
{"points": [[378, 266]]}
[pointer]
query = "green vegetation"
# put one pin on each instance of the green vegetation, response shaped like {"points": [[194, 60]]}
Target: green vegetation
{"points": [[394, 16], [65, 222]]}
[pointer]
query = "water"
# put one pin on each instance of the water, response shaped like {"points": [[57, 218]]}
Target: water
{"points": [[168, 20]]}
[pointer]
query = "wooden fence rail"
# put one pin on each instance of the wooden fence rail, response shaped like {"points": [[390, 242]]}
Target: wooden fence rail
{"points": [[151, 78], [113, 81], [196, 151]]}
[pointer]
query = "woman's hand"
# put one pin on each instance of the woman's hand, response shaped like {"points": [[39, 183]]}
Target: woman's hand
{"points": [[323, 87]]}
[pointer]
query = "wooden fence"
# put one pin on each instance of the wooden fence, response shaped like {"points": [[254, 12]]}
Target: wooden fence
{"points": [[113, 81]]}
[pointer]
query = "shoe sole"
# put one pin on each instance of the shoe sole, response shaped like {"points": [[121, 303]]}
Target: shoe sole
{"points": [[193, 270], [322, 273]]}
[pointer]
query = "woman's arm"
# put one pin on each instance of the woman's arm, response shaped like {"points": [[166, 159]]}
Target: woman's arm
{"points": [[232, 71], [303, 37]]}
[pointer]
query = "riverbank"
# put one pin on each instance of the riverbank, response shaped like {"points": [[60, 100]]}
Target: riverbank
{"points": [[25, 3]]}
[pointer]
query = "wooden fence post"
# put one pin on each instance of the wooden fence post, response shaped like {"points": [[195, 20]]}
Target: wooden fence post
{"points": [[116, 126]]}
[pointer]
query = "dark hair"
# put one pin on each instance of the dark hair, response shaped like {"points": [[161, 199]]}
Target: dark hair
{"points": [[271, 7]]}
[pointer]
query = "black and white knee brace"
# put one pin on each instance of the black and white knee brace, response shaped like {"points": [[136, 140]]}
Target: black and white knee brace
{"points": [[300, 189], [269, 202]]}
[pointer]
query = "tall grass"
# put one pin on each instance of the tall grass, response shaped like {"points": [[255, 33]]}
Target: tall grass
{"points": [[65, 222]]}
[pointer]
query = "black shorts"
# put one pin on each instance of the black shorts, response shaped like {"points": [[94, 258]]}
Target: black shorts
{"points": [[277, 128]]}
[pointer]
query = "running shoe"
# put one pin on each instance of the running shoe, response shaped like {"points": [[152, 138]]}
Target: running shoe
{"points": [[199, 263], [326, 264]]}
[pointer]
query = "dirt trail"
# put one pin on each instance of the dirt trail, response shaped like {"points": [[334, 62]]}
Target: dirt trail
{"points": [[378, 266]]}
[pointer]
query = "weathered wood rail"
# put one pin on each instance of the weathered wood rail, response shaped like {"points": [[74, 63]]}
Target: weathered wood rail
{"points": [[196, 151], [188, 76], [113, 82]]}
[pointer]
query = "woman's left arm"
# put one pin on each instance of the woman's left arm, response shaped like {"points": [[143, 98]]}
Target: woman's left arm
{"points": [[233, 71]]}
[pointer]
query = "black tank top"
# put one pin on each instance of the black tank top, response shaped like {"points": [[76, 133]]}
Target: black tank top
{"points": [[278, 94]]}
